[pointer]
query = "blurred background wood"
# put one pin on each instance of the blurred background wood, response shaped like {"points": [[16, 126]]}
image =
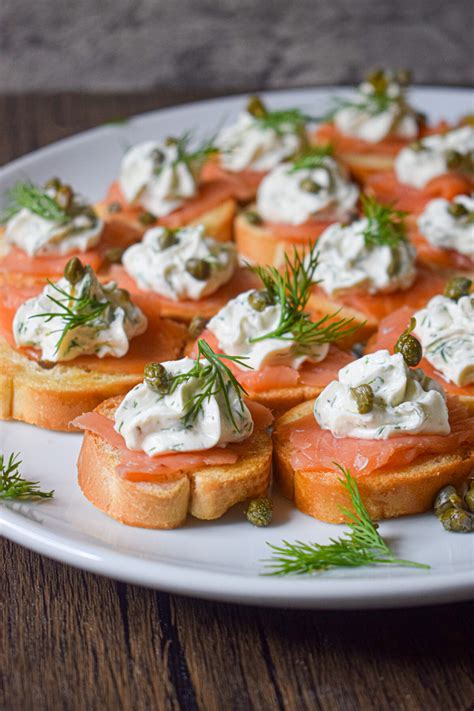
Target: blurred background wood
{"points": [[70, 640], [127, 45]]}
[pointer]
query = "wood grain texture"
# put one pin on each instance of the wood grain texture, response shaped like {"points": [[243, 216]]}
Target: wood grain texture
{"points": [[71, 640]]}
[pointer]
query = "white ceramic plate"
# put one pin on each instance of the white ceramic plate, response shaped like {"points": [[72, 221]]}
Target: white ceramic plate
{"points": [[220, 560]]}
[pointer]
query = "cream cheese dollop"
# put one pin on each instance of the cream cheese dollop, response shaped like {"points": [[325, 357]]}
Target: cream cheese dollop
{"points": [[445, 329], [406, 401], [107, 334], [238, 323], [397, 120], [282, 197], [37, 236], [167, 270], [445, 231], [153, 423], [153, 175], [249, 145], [346, 261], [417, 165]]}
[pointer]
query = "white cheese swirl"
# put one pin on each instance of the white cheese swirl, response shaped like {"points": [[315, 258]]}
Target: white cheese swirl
{"points": [[346, 261], [406, 401], [37, 236], [361, 120], [165, 270], [152, 175], [418, 165], [445, 231], [153, 423], [238, 323], [445, 329], [107, 334], [281, 196], [249, 145]]}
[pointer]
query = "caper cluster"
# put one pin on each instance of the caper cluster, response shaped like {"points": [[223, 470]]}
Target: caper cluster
{"points": [[260, 512], [457, 287], [409, 346], [456, 512], [157, 378], [364, 397], [259, 299], [64, 194]]}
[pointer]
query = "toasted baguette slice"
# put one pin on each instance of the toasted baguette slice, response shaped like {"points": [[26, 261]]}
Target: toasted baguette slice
{"points": [[387, 493], [218, 221], [51, 398], [362, 165], [206, 493]]}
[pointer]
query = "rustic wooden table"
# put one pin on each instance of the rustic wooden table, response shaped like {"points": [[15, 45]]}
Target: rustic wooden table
{"points": [[71, 640]]}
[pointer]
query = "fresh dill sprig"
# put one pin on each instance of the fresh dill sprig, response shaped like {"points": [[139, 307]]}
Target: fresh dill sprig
{"points": [[26, 195], [373, 104], [291, 289], [13, 485], [386, 226], [193, 154], [363, 545], [74, 311], [216, 378], [284, 120], [311, 158]]}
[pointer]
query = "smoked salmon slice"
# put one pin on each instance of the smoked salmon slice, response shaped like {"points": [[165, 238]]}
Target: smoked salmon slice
{"points": [[442, 258], [389, 330], [18, 262], [314, 449], [387, 189], [243, 184]]}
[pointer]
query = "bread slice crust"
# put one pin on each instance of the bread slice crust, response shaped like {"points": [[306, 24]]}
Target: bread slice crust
{"points": [[387, 493]]}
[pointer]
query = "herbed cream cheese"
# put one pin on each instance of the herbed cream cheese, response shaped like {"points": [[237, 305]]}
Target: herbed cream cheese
{"points": [[154, 175], [417, 164], [365, 120], [66, 321], [181, 264], [249, 145], [238, 323], [293, 196], [153, 423], [442, 228], [446, 331], [405, 401], [346, 261]]}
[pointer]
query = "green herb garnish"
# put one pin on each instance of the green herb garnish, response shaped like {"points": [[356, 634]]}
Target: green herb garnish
{"points": [[27, 195], [386, 226], [285, 120], [363, 545], [311, 158], [291, 289], [191, 155], [13, 485]]}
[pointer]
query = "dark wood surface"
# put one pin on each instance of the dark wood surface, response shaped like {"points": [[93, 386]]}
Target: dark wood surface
{"points": [[71, 640]]}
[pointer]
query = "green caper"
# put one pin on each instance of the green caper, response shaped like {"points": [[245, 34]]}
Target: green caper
{"points": [[157, 156], [171, 141], [197, 326], [446, 498], [421, 118], [454, 159], [260, 512], [74, 270], [200, 269], [253, 217], [147, 218], [53, 184], [157, 378], [467, 120], [457, 520], [379, 80], [404, 76], [64, 197], [457, 209], [114, 255], [417, 146], [395, 261], [409, 346], [469, 496], [167, 239], [457, 287], [256, 107], [122, 296], [309, 185], [114, 207], [364, 397], [260, 299]]}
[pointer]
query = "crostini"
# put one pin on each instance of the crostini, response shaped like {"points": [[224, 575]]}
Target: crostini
{"points": [[296, 202], [257, 142], [367, 268], [160, 184], [369, 130], [445, 328], [184, 273], [390, 425], [182, 441], [286, 357], [77, 342]]}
